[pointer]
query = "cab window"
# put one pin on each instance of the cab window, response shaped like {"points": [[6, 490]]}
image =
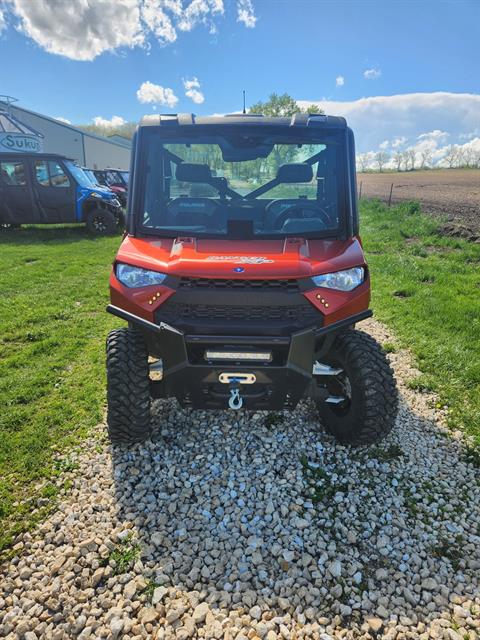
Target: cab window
{"points": [[50, 174], [13, 174]]}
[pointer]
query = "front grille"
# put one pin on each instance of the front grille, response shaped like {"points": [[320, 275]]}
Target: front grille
{"points": [[229, 319], [187, 312], [219, 284]]}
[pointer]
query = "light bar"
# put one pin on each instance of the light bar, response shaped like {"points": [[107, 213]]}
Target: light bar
{"points": [[247, 356]]}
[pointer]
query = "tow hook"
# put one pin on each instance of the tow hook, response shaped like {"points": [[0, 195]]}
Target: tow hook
{"points": [[235, 401]]}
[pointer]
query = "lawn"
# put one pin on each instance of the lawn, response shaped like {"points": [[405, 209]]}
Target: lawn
{"points": [[426, 287], [53, 285], [54, 289]]}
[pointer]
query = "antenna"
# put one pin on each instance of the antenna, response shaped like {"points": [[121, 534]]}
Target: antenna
{"points": [[244, 109]]}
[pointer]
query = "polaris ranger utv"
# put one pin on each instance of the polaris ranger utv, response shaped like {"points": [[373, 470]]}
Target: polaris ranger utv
{"points": [[242, 276]]}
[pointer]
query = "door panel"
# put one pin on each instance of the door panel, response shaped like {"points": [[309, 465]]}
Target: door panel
{"points": [[55, 191], [16, 205]]}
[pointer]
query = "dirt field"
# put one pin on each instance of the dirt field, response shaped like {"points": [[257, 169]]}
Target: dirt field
{"points": [[451, 192]]}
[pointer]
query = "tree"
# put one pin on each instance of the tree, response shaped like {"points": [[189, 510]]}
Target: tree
{"points": [[362, 162], [426, 156], [398, 159], [451, 156], [412, 157], [284, 106], [405, 160], [276, 105], [381, 158]]}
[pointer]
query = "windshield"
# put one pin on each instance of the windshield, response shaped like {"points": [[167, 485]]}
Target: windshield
{"points": [[242, 186], [113, 177], [91, 176], [80, 176]]}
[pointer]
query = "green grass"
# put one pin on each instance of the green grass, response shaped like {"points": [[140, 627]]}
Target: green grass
{"points": [[426, 287], [54, 289]]}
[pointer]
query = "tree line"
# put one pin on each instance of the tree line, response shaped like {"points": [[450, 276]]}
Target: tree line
{"points": [[413, 159]]}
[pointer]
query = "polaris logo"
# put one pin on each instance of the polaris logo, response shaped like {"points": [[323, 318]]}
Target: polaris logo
{"points": [[240, 259]]}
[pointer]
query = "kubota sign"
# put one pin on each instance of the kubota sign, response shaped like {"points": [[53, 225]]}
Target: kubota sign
{"points": [[21, 142]]}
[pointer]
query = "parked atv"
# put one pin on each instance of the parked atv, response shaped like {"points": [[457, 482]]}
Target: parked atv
{"points": [[45, 188], [115, 180], [242, 277]]}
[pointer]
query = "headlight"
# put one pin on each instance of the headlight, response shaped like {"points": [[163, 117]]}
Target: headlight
{"points": [[94, 194], [341, 280], [137, 277]]}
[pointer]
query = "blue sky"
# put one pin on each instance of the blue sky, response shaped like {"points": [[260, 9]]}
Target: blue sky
{"points": [[90, 60]]}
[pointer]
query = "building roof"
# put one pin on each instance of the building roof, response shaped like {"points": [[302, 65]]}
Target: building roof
{"points": [[10, 108]]}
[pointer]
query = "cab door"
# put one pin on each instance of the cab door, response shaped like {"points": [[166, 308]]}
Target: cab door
{"points": [[55, 191], [16, 205]]}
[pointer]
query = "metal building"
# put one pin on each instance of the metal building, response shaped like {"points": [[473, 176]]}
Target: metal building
{"points": [[89, 149]]}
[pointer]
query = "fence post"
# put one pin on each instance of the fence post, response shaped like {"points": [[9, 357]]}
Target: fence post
{"points": [[390, 196], [360, 190]]}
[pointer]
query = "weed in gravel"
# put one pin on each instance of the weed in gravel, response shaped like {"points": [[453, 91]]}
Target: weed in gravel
{"points": [[449, 549], [471, 454], [150, 588], [63, 465], [319, 484], [390, 453], [389, 347], [124, 555], [273, 419], [419, 384]]}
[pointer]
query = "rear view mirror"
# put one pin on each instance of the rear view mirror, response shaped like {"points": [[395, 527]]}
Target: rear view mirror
{"points": [[191, 172], [295, 172]]}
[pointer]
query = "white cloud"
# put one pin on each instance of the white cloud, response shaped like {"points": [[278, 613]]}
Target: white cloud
{"points": [[372, 74], [246, 13], [200, 12], [155, 94], [60, 119], [434, 135], [385, 144], [398, 142], [104, 123], [160, 23], [192, 90], [84, 29], [402, 118], [2, 21], [339, 81]]}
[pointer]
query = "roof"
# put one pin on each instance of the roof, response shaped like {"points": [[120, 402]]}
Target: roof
{"points": [[4, 105], [251, 119], [34, 154]]}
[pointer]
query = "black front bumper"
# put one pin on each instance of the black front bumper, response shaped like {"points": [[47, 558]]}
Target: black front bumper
{"points": [[187, 376]]}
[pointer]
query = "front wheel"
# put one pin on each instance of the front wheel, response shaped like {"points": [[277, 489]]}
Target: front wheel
{"points": [[101, 222], [361, 399], [128, 387]]}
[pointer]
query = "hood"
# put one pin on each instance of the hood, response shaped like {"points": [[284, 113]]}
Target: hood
{"points": [[220, 258]]}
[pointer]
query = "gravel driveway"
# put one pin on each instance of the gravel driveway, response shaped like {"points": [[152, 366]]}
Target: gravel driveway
{"points": [[236, 526]]}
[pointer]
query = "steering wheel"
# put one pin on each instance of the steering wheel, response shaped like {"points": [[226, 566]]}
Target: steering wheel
{"points": [[297, 210]]}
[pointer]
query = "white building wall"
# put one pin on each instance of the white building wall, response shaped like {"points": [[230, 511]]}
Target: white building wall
{"points": [[101, 154], [65, 141], [90, 151]]}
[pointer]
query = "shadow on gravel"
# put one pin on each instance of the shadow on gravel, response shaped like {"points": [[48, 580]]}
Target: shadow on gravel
{"points": [[249, 510]]}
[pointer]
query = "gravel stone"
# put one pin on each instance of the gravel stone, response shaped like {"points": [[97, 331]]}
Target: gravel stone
{"points": [[223, 534]]}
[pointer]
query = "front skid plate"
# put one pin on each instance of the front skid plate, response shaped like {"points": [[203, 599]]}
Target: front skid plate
{"points": [[199, 386]]}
